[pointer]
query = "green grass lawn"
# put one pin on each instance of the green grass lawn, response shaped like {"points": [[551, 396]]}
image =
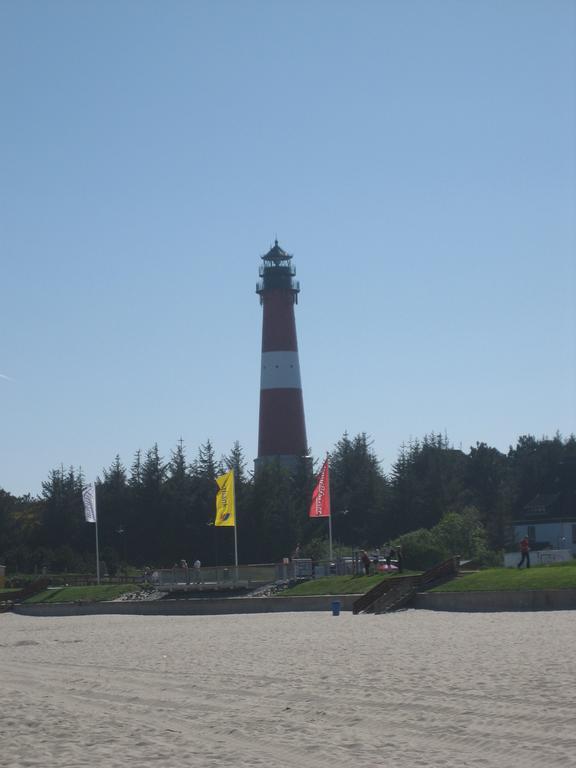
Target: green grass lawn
{"points": [[90, 594], [557, 576], [338, 585]]}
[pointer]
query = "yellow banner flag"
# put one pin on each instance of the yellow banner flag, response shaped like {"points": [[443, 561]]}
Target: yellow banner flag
{"points": [[225, 502]]}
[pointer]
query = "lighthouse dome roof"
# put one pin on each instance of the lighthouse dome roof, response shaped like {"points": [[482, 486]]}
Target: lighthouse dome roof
{"points": [[276, 254]]}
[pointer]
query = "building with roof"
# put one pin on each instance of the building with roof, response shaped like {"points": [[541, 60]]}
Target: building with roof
{"points": [[549, 519]]}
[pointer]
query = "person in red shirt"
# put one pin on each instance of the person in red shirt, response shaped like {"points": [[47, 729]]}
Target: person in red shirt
{"points": [[525, 552], [365, 558]]}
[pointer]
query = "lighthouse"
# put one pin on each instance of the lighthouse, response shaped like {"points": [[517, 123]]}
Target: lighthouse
{"points": [[281, 430]]}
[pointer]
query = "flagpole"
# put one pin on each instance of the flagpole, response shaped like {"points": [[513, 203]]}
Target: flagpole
{"points": [[329, 510], [97, 551], [91, 516], [235, 529], [96, 530]]}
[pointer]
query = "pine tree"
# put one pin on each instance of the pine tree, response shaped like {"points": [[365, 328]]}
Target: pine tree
{"points": [[486, 488], [115, 521], [179, 502], [152, 507], [235, 461], [271, 530], [136, 470], [205, 544], [427, 480], [63, 528], [359, 488]]}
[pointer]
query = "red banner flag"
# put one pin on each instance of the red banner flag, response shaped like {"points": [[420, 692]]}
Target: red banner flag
{"points": [[320, 506]]}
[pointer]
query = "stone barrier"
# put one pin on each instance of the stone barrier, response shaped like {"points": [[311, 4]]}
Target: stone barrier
{"points": [[512, 600], [192, 607]]}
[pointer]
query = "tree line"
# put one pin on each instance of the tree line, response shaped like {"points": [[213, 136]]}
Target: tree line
{"points": [[157, 511]]}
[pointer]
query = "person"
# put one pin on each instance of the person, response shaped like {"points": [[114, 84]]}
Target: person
{"points": [[198, 572], [399, 559], [525, 552], [365, 560], [389, 556]]}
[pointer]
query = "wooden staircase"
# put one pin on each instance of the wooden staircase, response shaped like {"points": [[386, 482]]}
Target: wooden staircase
{"points": [[398, 591]]}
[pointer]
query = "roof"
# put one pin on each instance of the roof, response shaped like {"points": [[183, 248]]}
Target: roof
{"points": [[276, 254], [542, 500], [545, 521], [548, 508]]}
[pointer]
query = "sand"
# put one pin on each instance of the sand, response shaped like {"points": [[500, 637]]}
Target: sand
{"points": [[414, 688]]}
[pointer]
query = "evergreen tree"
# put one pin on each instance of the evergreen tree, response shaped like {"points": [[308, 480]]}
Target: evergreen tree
{"points": [[21, 548], [63, 527], [158, 513], [115, 523], [205, 543], [302, 528], [136, 470], [427, 480], [487, 481], [272, 524], [179, 501], [151, 507], [534, 466], [359, 493], [236, 462], [7, 515]]}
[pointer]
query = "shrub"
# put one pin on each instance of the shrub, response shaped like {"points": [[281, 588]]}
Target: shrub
{"points": [[462, 533], [420, 550], [457, 533]]}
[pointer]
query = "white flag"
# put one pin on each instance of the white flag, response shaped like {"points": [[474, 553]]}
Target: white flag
{"points": [[89, 497]]}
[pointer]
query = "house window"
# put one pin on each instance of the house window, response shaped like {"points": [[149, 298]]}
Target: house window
{"points": [[574, 534], [532, 533]]}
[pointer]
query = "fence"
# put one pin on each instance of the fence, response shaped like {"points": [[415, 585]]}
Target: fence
{"points": [[305, 568], [219, 576], [539, 557]]}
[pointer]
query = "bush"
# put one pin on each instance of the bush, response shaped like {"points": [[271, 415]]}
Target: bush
{"points": [[462, 533], [457, 533], [421, 550]]}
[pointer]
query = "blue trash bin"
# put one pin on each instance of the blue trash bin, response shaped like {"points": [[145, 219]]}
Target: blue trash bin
{"points": [[336, 605]]}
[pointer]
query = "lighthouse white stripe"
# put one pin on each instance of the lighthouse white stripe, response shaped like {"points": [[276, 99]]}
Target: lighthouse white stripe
{"points": [[280, 370]]}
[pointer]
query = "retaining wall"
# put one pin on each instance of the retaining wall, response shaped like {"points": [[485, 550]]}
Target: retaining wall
{"points": [[198, 607], [534, 600], [513, 600]]}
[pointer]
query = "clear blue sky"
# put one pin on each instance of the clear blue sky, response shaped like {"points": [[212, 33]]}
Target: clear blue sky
{"points": [[416, 157]]}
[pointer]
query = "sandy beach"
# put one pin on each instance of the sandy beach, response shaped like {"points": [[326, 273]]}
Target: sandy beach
{"points": [[415, 688]]}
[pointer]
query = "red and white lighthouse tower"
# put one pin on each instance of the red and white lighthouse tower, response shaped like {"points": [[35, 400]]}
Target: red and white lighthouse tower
{"points": [[282, 430]]}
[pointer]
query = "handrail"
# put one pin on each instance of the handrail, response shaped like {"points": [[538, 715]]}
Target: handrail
{"points": [[380, 589], [447, 567]]}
